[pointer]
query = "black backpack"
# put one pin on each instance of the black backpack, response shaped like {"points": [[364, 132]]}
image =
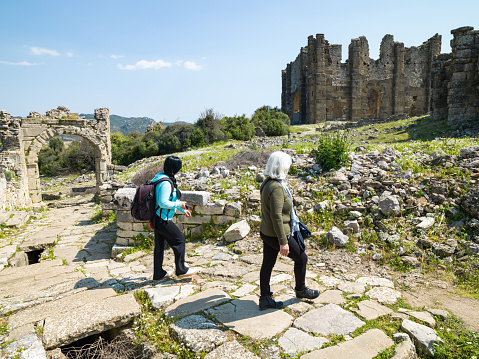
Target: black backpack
{"points": [[143, 207]]}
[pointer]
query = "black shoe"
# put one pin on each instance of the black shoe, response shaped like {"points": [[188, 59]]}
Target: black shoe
{"points": [[307, 293], [267, 302]]}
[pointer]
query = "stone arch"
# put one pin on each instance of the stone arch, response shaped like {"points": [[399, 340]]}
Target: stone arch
{"points": [[36, 130], [374, 101], [32, 151]]}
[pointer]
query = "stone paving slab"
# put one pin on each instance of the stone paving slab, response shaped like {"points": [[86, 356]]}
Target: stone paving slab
{"points": [[92, 318], [296, 341], [370, 309], [330, 319], [231, 350], [384, 295], [35, 297], [198, 302], [376, 281], [66, 304], [37, 243], [199, 333], [364, 346], [352, 287], [331, 296], [244, 317], [162, 296]]}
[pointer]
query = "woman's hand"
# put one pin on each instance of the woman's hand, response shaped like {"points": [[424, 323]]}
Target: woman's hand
{"points": [[185, 207], [284, 249]]}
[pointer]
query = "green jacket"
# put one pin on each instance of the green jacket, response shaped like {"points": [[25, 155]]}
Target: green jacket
{"points": [[275, 211]]}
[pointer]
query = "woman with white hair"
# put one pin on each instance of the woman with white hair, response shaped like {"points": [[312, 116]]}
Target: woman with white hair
{"points": [[275, 231]]}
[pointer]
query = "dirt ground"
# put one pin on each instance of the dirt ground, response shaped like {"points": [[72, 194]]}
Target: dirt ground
{"points": [[465, 308]]}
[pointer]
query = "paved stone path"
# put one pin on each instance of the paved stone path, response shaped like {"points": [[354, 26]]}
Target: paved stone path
{"points": [[79, 291]]}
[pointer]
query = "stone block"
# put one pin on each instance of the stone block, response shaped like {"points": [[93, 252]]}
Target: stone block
{"points": [[124, 216], [212, 208], [123, 198], [233, 209], [237, 231], [141, 226], [223, 219], [125, 226], [193, 219], [196, 198]]}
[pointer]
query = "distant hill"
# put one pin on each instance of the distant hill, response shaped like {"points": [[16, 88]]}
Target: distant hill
{"points": [[126, 125]]}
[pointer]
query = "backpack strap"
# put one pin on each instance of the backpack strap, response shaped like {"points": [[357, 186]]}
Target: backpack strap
{"points": [[171, 194]]}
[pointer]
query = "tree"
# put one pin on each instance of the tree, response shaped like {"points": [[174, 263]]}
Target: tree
{"points": [[238, 128], [271, 120], [210, 124]]}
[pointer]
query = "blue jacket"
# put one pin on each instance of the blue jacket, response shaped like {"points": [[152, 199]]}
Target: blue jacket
{"points": [[167, 205]]}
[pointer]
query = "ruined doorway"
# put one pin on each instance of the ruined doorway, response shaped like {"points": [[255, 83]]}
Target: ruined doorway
{"points": [[337, 109], [22, 140], [374, 96], [296, 102]]}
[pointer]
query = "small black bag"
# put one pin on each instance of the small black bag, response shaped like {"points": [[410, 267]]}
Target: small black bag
{"points": [[300, 235]]}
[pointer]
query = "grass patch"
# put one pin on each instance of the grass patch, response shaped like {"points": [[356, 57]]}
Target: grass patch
{"points": [[153, 326]]}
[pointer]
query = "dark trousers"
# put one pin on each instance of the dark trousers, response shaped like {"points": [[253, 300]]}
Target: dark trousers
{"points": [[167, 231], [270, 253]]}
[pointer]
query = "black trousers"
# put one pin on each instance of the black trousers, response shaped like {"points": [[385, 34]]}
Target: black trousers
{"points": [[168, 232], [270, 254]]}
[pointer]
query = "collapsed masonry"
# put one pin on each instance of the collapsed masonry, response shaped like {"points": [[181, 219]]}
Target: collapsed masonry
{"points": [[317, 87], [22, 140]]}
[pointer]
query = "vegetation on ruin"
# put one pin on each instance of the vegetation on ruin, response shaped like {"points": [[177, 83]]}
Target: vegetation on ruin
{"points": [[57, 159]]}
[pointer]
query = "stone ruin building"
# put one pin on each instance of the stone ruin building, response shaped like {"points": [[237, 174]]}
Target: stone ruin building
{"points": [[22, 140], [318, 87]]}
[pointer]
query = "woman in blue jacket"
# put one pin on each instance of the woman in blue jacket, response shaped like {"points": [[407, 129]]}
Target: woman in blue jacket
{"points": [[168, 201]]}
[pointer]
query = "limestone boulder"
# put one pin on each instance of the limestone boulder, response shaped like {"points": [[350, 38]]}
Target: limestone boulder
{"points": [[424, 337], [237, 231], [389, 206], [336, 237]]}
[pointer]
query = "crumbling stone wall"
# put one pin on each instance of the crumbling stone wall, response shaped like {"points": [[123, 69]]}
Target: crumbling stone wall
{"points": [[455, 80], [204, 211], [318, 87], [22, 140], [13, 174]]}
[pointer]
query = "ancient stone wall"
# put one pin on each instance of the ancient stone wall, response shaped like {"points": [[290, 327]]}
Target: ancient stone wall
{"points": [[13, 173], [204, 211], [317, 86], [455, 80]]}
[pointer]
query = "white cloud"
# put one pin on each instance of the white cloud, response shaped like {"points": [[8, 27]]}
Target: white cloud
{"points": [[189, 65], [116, 56], [179, 63], [144, 65], [69, 54], [23, 63], [42, 51]]}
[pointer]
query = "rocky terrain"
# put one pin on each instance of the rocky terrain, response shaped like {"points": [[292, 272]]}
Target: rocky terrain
{"points": [[392, 249]]}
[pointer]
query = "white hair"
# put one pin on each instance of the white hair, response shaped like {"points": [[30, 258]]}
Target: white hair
{"points": [[278, 165]]}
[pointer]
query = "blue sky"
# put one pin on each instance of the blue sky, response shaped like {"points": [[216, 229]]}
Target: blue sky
{"points": [[171, 60]]}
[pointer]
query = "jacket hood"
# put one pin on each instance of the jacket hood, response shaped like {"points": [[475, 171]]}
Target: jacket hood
{"points": [[158, 176]]}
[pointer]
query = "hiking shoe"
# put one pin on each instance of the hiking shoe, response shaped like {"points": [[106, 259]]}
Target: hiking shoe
{"points": [[267, 302], [307, 293], [189, 272], [167, 274]]}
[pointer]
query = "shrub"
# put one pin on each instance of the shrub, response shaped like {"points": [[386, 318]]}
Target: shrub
{"points": [[238, 128], [332, 152], [8, 175], [271, 120]]}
